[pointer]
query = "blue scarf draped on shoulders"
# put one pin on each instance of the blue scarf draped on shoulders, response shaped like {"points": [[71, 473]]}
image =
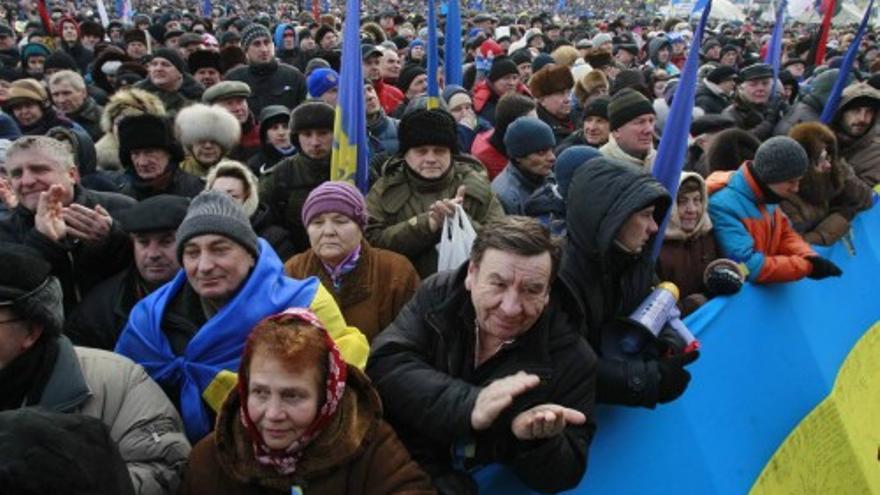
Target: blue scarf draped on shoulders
{"points": [[219, 343]]}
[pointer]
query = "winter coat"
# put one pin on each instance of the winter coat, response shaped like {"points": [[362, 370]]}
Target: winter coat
{"points": [[285, 189], [750, 231], [803, 111], [576, 138], [467, 136], [612, 150], [179, 184], [50, 119], [710, 98], [103, 312], [189, 92], [271, 84], [431, 344], [78, 266], [88, 116], [390, 97], [399, 204], [513, 187], [862, 153], [822, 209], [372, 294], [141, 420], [685, 255], [562, 128], [610, 282], [382, 135], [277, 237], [493, 159], [485, 99], [356, 453], [757, 119], [250, 143]]}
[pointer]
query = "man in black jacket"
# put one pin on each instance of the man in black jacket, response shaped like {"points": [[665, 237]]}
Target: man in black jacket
{"points": [[608, 262], [489, 364], [72, 227], [271, 82], [151, 224]]}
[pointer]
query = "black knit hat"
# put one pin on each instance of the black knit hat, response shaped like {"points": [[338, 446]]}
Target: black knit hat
{"points": [[721, 73], [521, 56], [408, 74], [139, 132], [597, 107], [501, 67], [215, 212], [780, 159], [158, 213], [627, 105], [312, 115], [427, 128], [28, 287], [173, 57], [60, 60]]}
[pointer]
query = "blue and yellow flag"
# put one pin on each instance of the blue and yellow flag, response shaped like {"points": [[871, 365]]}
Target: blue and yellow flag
{"points": [[452, 54], [349, 161], [774, 51], [433, 87], [853, 50], [673, 146]]}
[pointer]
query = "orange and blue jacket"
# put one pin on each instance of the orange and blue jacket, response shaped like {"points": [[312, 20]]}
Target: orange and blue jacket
{"points": [[757, 234]]}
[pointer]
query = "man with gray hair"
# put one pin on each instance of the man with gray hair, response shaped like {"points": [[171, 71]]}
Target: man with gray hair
{"points": [[39, 367], [70, 226], [70, 97]]}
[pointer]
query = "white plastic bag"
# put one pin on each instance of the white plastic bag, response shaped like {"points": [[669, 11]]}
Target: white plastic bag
{"points": [[456, 240]]}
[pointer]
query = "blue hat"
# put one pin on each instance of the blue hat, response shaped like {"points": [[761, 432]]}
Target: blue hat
{"points": [[526, 135], [322, 80], [416, 42], [568, 162]]}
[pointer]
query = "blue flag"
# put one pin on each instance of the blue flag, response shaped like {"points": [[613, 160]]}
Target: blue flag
{"points": [[452, 53], [349, 160], [845, 67], [774, 52], [673, 144], [207, 8], [700, 6], [433, 87]]}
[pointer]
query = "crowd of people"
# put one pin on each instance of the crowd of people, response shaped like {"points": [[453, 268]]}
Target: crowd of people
{"points": [[188, 303]]}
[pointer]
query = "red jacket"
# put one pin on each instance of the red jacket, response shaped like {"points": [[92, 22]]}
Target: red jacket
{"points": [[390, 97], [492, 159]]}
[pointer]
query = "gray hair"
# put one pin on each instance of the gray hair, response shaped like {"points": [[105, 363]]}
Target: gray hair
{"points": [[57, 151], [68, 76]]}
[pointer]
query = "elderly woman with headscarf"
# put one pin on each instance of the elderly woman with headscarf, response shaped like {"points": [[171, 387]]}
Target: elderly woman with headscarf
{"points": [[207, 134], [370, 285], [301, 417]]}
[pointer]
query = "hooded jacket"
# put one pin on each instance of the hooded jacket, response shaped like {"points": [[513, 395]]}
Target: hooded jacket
{"points": [[431, 343], [357, 453], [862, 153], [609, 282], [685, 255], [711, 98]]}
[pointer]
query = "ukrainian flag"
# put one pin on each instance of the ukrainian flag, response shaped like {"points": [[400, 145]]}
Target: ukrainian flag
{"points": [[349, 161], [433, 87], [453, 44]]}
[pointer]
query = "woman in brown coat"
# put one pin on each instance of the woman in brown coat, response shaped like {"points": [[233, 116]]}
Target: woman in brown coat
{"points": [[301, 421], [370, 285], [830, 194]]}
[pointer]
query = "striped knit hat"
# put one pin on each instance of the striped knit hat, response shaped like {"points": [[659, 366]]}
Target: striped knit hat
{"points": [[214, 212]]}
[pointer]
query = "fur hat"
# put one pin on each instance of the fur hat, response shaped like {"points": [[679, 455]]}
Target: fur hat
{"points": [[231, 56], [128, 102], [374, 31], [27, 285], [815, 137], [730, 149], [203, 59], [427, 127], [133, 35], [565, 55], [146, 131], [817, 187], [551, 79], [599, 58], [311, 115], [201, 122], [232, 168], [591, 81]]}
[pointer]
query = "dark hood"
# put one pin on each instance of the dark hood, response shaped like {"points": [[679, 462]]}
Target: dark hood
{"points": [[608, 192]]}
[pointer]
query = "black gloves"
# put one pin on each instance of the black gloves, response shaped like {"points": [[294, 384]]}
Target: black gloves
{"points": [[823, 268], [673, 377]]}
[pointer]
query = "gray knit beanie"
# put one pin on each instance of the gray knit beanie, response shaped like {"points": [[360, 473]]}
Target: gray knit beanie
{"points": [[780, 159], [252, 33], [214, 212]]}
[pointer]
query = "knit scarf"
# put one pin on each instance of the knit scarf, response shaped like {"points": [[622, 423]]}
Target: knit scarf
{"points": [[285, 461], [23, 380], [348, 264]]}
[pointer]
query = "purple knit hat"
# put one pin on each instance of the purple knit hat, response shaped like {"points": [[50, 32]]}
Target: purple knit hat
{"points": [[336, 197]]}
